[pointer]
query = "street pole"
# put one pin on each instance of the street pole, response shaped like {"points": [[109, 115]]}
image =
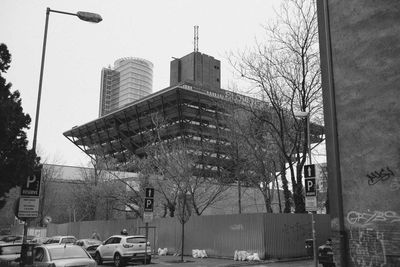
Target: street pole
{"points": [[314, 233], [147, 237], [86, 16], [24, 248], [40, 81]]}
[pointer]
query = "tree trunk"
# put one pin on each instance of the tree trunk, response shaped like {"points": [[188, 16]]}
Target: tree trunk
{"points": [[267, 201], [278, 194], [298, 191], [286, 191]]}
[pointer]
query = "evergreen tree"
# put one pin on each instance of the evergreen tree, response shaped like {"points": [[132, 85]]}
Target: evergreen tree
{"points": [[16, 161]]}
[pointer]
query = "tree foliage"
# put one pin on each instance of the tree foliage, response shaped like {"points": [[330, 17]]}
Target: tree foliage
{"points": [[16, 161]]}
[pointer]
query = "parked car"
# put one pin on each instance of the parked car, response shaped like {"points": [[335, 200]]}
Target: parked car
{"points": [[15, 238], [9, 252], [67, 239], [66, 255], [39, 240], [90, 245], [122, 249]]}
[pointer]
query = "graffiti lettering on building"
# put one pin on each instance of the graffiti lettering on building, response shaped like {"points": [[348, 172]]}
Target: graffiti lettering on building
{"points": [[365, 218], [382, 175], [367, 248], [395, 184]]}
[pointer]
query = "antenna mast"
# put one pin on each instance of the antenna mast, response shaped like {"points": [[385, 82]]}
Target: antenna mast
{"points": [[196, 38]]}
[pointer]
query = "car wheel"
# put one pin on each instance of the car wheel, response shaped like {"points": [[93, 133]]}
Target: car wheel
{"points": [[98, 259], [118, 261]]}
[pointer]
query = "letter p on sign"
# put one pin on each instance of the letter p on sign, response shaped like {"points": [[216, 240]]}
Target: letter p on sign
{"points": [[148, 204], [30, 180], [310, 187]]}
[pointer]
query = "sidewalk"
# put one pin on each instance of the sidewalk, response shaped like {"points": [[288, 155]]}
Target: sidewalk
{"points": [[209, 262]]}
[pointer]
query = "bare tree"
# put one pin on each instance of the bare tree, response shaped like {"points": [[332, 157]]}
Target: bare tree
{"points": [[285, 69], [256, 154], [50, 174], [95, 197]]}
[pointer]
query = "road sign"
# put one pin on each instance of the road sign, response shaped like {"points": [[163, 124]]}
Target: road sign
{"points": [[150, 192], [148, 217], [28, 207], [148, 204], [310, 187], [309, 171], [311, 203], [31, 187]]}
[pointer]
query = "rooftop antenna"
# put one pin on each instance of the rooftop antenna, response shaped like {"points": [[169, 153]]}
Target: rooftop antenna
{"points": [[196, 38]]}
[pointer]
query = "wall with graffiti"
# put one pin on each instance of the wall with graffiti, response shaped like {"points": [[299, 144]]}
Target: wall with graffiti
{"points": [[361, 85]]}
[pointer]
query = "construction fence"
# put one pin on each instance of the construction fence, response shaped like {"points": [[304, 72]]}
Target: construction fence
{"points": [[270, 235]]}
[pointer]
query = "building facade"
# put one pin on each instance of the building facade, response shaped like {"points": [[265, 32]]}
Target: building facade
{"points": [[130, 79], [198, 69]]}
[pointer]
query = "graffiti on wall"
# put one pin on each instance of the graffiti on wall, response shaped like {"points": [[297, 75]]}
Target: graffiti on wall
{"points": [[395, 184], [382, 175], [367, 247], [366, 218]]}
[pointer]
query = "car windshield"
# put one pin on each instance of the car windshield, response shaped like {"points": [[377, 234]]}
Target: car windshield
{"points": [[58, 253], [9, 250], [136, 240], [68, 240]]}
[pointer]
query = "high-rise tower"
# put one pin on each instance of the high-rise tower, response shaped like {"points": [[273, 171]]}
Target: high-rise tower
{"points": [[197, 68], [130, 79]]}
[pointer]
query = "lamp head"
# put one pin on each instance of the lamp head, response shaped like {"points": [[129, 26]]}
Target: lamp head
{"points": [[90, 17]]}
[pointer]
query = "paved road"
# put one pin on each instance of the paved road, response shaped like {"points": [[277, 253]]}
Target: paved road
{"points": [[171, 261]]}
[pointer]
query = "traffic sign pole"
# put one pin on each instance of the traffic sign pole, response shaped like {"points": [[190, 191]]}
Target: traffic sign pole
{"points": [[311, 202], [148, 214], [28, 208]]}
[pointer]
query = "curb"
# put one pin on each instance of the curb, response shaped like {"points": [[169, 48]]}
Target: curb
{"points": [[246, 263]]}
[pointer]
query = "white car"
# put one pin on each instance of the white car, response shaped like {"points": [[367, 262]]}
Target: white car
{"points": [[9, 252], [121, 249], [55, 255]]}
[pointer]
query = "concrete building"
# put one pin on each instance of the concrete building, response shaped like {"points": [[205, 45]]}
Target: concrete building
{"points": [[130, 79], [198, 69]]}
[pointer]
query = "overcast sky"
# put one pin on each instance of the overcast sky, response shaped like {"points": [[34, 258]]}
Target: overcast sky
{"points": [[156, 30]]}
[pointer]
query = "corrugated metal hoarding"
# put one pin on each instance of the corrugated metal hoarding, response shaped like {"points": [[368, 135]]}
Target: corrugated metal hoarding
{"points": [[269, 235]]}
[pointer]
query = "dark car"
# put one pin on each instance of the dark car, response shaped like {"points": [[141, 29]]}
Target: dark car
{"points": [[89, 245]]}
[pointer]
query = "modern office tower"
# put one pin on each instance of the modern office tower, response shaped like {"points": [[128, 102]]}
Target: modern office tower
{"points": [[129, 80], [196, 68]]}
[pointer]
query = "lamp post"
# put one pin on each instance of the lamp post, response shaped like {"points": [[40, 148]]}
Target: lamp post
{"points": [[306, 115], [85, 16]]}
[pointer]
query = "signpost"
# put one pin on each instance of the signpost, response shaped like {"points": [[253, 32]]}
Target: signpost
{"points": [[148, 213], [30, 194], [29, 208], [311, 201]]}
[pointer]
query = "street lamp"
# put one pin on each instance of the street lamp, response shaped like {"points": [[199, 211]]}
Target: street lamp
{"points": [[306, 115], [85, 16]]}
